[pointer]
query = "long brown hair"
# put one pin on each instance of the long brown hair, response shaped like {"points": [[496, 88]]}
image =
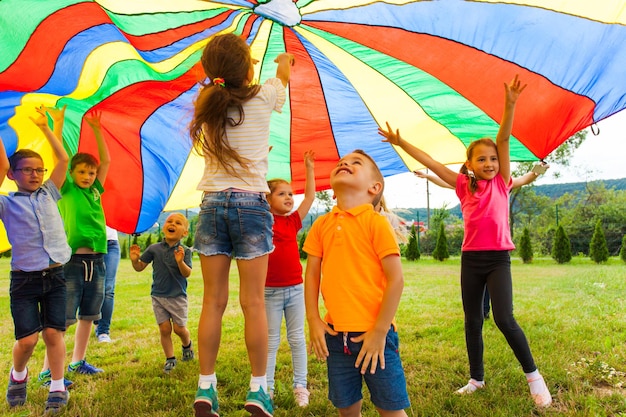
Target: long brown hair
{"points": [[226, 62], [473, 184]]}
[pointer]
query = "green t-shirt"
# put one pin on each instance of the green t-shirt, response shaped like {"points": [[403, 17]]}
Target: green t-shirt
{"points": [[83, 216]]}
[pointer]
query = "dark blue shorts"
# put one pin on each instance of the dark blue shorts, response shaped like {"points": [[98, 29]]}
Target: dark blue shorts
{"points": [[85, 276], [37, 301], [235, 224], [345, 382]]}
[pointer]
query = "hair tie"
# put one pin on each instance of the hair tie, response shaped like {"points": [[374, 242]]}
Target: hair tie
{"points": [[219, 81]]}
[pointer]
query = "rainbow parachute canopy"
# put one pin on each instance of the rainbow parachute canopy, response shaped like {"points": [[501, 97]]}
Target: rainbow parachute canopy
{"points": [[434, 69]]}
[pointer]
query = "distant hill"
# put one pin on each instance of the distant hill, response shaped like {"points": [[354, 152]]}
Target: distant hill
{"points": [[553, 191]]}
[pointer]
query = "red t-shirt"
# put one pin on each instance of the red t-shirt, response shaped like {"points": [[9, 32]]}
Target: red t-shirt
{"points": [[284, 268]]}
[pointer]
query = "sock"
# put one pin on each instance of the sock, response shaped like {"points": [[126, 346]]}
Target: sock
{"points": [[207, 381], [57, 385], [535, 382], [257, 382], [188, 346], [173, 357], [19, 376], [75, 364]]}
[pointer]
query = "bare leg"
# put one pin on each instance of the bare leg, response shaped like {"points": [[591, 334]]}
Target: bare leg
{"points": [[352, 411], [183, 333], [215, 271], [55, 351], [165, 329], [23, 350], [81, 339], [252, 274]]}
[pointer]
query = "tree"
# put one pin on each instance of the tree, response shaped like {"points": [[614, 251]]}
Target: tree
{"points": [[561, 247], [303, 254], [149, 240], [412, 250], [561, 156], [598, 251], [622, 252], [525, 247], [189, 240], [441, 247], [325, 199]]}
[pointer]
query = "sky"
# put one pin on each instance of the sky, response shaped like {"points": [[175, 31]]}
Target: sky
{"points": [[599, 157]]}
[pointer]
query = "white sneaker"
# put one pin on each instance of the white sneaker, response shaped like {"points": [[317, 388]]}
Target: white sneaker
{"points": [[471, 386], [540, 392], [302, 396], [104, 338]]}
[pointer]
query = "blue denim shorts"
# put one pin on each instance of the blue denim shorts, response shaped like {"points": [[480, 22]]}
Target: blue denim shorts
{"points": [[387, 386], [84, 275], [37, 301], [236, 224]]}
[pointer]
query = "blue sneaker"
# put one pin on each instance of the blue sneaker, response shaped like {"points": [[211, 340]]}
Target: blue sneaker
{"points": [[205, 404], [45, 378], [56, 401], [259, 404], [16, 391], [82, 367]]}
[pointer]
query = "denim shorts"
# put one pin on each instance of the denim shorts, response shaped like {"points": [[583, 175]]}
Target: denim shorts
{"points": [[37, 301], [387, 386], [236, 224], [84, 274]]}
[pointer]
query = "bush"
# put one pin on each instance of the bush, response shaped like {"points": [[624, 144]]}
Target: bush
{"points": [[561, 247], [412, 250], [622, 252], [525, 247], [598, 250], [441, 247], [188, 240]]}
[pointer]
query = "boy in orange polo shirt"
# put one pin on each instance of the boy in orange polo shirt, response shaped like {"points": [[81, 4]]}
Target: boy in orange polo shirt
{"points": [[354, 261]]}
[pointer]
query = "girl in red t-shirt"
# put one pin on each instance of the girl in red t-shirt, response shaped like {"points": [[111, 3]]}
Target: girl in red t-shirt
{"points": [[284, 288]]}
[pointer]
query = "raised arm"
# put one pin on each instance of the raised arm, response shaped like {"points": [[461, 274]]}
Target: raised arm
{"points": [[285, 61], [531, 176], [134, 253], [445, 173], [4, 162], [103, 150], [309, 184], [62, 160], [433, 178], [512, 92]]}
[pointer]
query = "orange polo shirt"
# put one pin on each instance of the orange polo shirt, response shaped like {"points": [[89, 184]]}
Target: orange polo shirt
{"points": [[351, 244]]}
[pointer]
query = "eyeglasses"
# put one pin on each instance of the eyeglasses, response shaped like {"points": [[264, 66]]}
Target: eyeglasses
{"points": [[29, 171]]}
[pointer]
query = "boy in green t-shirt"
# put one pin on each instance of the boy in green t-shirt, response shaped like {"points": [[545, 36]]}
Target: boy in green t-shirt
{"points": [[83, 216]]}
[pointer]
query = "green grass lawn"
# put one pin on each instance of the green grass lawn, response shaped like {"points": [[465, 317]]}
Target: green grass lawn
{"points": [[574, 316]]}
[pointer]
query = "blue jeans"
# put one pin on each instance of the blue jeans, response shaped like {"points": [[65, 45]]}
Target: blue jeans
{"points": [[235, 224], [111, 262], [290, 301]]}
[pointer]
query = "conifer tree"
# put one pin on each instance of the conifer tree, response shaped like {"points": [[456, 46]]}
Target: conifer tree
{"points": [[149, 240], [303, 254], [525, 247], [598, 249], [561, 247], [441, 252], [412, 250]]}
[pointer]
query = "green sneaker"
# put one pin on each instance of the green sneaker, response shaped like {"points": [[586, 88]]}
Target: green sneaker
{"points": [[259, 404], [45, 378], [206, 404]]}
